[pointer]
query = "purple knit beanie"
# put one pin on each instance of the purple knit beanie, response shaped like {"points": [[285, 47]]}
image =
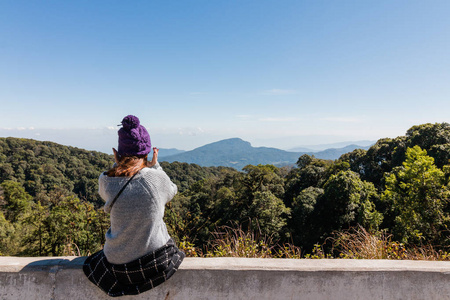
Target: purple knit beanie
{"points": [[133, 138]]}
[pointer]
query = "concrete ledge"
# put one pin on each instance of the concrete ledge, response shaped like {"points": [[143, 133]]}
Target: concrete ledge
{"points": [[239, 278]]}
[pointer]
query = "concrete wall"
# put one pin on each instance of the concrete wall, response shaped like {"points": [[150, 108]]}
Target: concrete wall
{"points": [[239, 278]]}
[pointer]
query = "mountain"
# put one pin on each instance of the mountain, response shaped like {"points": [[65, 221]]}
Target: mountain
{"points": [[234, 153], [168, 152], [238, 153], [322, 147], [335, 153]]}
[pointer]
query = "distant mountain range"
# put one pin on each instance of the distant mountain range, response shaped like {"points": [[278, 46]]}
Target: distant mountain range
{"points": [[317, 148], [169, 152], [238, 153]]}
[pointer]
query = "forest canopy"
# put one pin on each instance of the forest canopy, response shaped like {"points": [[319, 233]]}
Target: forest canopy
{"points": [[49, 203]]}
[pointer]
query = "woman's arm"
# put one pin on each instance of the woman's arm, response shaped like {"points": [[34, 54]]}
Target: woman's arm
{"points": [[154, 160]]}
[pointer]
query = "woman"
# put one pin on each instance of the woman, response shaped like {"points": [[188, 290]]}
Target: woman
{"points": [[138, 253]]}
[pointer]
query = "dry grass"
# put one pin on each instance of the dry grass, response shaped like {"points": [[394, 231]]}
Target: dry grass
{"points": [[358, 243], [236, 242]]}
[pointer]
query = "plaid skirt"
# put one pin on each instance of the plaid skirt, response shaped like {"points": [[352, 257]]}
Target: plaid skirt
{"points": [[134, 277]]}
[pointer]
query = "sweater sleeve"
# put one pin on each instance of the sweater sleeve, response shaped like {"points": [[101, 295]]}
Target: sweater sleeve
{"points": [[174, 190], [160, 181], [170, 189], [102, 192]]}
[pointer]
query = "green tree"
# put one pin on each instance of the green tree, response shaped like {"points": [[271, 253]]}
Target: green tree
{"points": [[270, 213], [311, 172], [260, 200], [303, 223], [417, 194], [8, 239], [16, 206], [38, 233], [379, 159], [18, 201], [428, 135], [347, 201]]}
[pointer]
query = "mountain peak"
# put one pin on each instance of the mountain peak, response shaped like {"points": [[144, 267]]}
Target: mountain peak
{"points": [[232, 144]]}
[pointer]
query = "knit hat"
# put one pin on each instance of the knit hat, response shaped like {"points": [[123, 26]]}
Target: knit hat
{"points": [[133, 138]]}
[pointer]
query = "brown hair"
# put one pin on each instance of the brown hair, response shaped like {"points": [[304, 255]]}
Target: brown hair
{"points": [[128, 166]]}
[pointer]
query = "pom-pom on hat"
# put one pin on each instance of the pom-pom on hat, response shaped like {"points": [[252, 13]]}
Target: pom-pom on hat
{"points": [[133, 138]]}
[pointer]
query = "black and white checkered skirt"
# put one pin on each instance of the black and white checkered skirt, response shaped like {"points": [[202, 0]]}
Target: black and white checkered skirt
{"points": [[134, 277]]}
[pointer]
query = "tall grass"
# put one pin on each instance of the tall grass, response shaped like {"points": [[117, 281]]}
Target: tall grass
{"points": [[235, 242], [358, 243], [355, 243]]}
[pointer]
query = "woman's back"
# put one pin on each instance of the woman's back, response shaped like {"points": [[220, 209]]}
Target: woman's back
{"points": [[137, 225]]}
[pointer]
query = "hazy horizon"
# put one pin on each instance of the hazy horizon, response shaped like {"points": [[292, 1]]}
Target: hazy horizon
{"points": [[98, 140]]}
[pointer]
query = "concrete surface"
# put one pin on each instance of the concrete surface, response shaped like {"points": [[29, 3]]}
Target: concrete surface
{"points": [[239, 278]]}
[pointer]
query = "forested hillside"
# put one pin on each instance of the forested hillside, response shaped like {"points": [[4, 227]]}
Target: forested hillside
{"points": [[398, 188], [45, 167]]}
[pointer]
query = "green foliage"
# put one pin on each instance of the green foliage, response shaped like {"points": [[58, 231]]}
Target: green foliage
{"points": [[303, 223], [60, 225], [387, 153], [18, 201], [41, 167], [418, 194], [8, 238], [346, 201], [311, 172], [379, 159], [65, 226], [428, 135], [184, 175], [251, 199]]}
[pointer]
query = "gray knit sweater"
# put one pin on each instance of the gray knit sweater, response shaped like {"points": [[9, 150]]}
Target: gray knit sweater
{"points": [[137, 225]]}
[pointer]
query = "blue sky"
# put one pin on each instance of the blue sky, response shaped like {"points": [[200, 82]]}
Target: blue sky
{"points": [[275, 73]]}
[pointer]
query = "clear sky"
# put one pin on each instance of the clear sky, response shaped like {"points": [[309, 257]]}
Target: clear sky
{"points": [[275, 73]]}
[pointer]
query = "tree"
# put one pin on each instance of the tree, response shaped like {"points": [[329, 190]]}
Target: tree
{"points": [[269, 213], [417, 194], [311, 172], [18, 201], [38, 233], [260, 199], [347, 201], [303, 223], [8, 239], [441, 154], [379, 159], [428, 135]]}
